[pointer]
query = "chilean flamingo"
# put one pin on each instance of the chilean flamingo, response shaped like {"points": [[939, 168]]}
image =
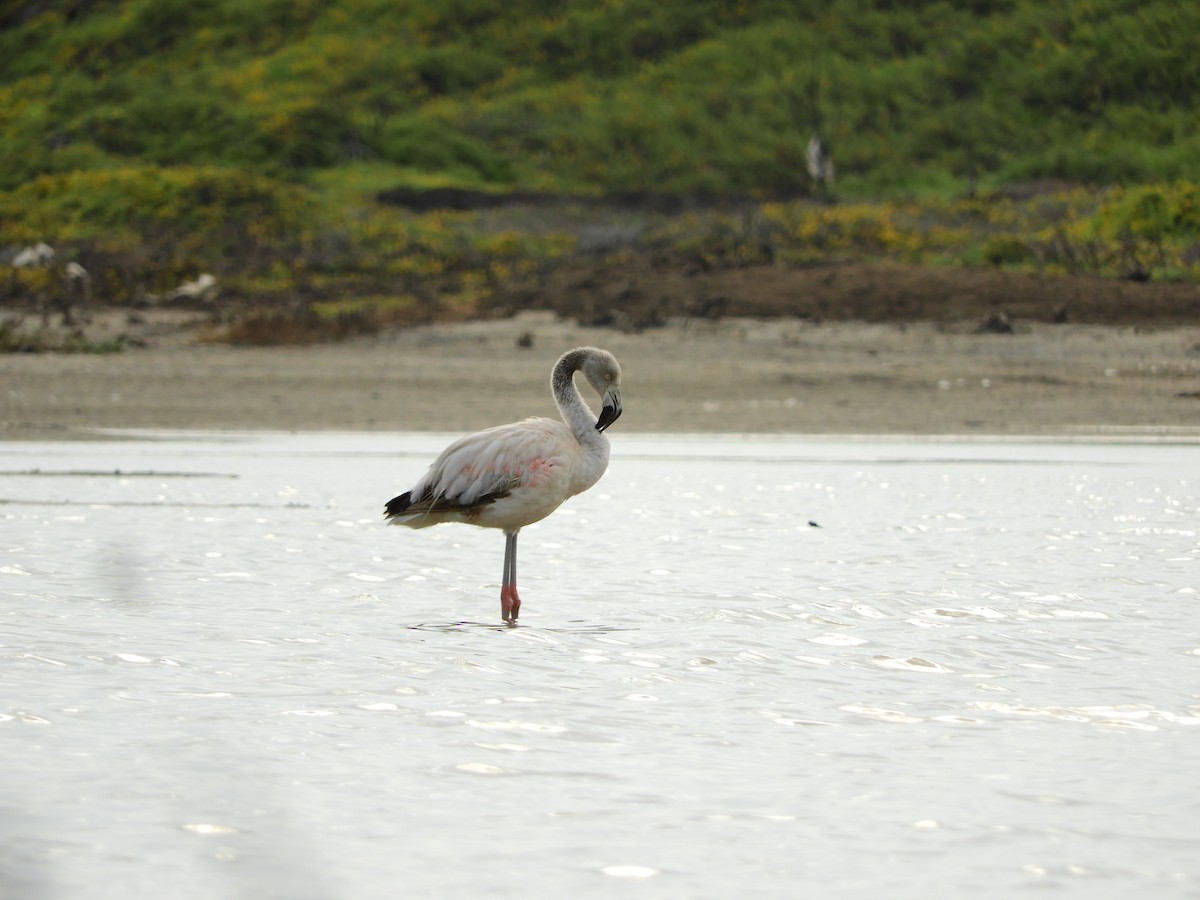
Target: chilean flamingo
{"points": [[513, 475]]}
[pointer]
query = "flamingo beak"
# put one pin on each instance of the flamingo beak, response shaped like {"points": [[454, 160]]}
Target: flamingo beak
{"points": [[611, 410]]}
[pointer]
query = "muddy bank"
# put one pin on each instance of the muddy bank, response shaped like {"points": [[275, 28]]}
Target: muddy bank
{"points": [[693, 375], [639, 293]]}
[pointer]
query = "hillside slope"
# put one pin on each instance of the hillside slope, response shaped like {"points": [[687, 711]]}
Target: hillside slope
{"points": [[151, 140], [710, 95]]}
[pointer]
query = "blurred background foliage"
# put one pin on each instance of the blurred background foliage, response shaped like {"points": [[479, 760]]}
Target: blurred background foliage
{"points": [[154, 139]]}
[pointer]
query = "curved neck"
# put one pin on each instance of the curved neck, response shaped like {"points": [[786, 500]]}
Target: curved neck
{"points": [[567, 398]]}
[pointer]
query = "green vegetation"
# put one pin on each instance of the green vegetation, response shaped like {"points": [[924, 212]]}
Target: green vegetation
{"points": [[154, 139]]}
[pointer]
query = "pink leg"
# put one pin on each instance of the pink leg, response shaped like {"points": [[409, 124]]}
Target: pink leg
{"points": [[510, 604]]}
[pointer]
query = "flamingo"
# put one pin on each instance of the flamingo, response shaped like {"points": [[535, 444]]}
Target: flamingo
{"points": [[513, 475]]}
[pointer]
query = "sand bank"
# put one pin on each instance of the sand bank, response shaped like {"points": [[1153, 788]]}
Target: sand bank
{"points": [[729, 375]]}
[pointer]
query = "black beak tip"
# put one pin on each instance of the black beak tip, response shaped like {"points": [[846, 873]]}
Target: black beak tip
{"points": [[608, 415]]}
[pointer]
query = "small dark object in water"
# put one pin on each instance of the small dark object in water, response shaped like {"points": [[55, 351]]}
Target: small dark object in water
{"points": [[813, 524]]}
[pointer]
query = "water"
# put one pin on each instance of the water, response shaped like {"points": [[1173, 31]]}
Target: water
{"points": [[979, 676]]}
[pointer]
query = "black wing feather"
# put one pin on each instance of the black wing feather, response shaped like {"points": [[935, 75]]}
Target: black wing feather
{"points": [[399, 506]]}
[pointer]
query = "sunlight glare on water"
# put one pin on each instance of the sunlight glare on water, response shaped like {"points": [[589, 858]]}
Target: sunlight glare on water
{"points": [[746, 668]]}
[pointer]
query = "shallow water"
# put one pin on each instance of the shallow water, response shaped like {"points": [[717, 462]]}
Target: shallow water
{"points": [[979, 676]]}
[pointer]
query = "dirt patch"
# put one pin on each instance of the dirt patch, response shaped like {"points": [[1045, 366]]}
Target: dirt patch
{"points": [[638, 293]]}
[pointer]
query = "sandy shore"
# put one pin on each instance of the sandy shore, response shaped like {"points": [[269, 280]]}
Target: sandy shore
{"points": [[729, 375]]}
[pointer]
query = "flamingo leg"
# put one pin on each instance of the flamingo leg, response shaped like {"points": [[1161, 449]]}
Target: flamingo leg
{"points": [[510, 603]]}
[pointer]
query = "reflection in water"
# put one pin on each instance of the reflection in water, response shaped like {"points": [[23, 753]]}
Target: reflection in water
{"points": [[221, 672]]}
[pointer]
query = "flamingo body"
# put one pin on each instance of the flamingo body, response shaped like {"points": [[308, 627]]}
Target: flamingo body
{"points": [[510, 476]]}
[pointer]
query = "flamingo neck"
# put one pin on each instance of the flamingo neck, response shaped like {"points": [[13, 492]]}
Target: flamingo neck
{"points": [[571, 406]]}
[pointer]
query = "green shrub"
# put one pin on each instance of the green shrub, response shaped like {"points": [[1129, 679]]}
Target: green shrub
{"points": [[435, 147], [203, 202]]}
